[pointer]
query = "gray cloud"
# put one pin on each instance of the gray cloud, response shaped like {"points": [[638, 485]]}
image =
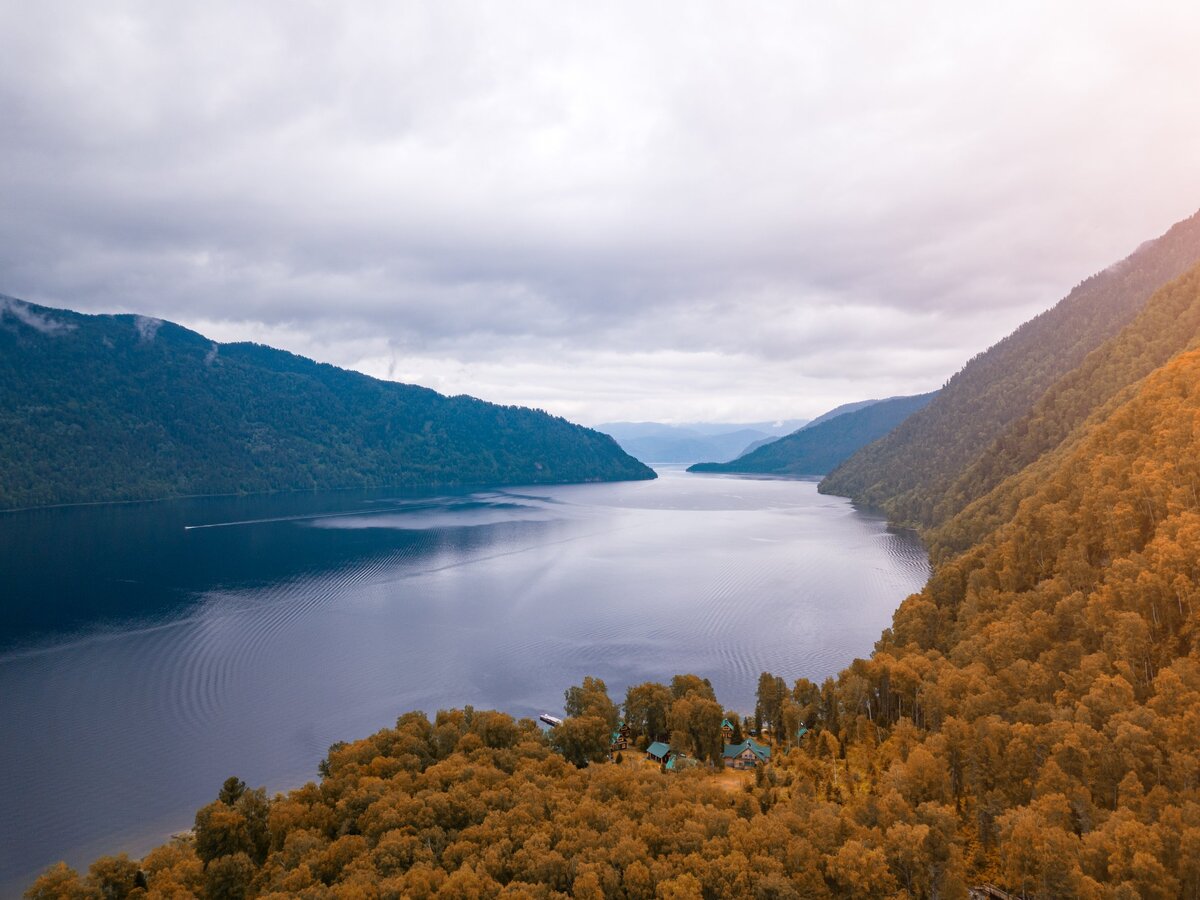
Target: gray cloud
{"points": [[20, 311], [685, 211]]}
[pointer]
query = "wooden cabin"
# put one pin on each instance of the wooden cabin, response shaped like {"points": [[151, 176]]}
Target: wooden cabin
{"points": [[749, 754], [658, 752]]}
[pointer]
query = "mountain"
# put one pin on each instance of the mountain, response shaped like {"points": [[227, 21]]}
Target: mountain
{"points": [[824, 417], [985, 494], [912, 472], [658, 442], [98, 408], [754, 445], [842, 410], [815, 449]]}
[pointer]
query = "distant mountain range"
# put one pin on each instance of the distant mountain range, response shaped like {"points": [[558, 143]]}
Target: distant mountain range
{"points": [[657, 442], [123, 407], [820, 445]]}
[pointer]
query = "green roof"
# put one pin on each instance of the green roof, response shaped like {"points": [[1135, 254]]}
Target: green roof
{"points": [[658, 750], [759, 750]]}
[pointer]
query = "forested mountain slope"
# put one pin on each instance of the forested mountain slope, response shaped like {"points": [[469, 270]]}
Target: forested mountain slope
{"points": [[1169, 323], [125, 407], [815, 449], [824, 417], [911, 472], [840, 411]]}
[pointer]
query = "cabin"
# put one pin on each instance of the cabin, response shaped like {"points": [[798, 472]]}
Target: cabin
{"points": [[727, 731], [749, 754], [658, 752], [619, 739]]}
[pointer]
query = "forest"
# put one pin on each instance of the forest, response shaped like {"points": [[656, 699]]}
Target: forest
{"points": [[104, 408], [1030, 720], [911, 473]]}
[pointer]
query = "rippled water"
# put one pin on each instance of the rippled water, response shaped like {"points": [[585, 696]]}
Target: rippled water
{"points": [[152, 650]]}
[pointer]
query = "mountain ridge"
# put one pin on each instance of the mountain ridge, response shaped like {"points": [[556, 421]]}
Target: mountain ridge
{"points": [[153, 410]]}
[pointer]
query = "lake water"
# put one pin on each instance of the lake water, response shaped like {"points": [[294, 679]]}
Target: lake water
{"points": [[149, 651]]}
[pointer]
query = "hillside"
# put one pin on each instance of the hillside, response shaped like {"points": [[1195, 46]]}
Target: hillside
{"points": [[824, 417], [911, 472], [1169, 323], [96, 408], [816, 449], [841, 411]]}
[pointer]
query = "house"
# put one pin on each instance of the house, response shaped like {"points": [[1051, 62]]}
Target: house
{"points": [[619, 739], [658, 752], [727, 731], [747, 755]]}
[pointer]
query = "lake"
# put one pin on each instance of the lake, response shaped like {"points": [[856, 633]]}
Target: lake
{"points": [[148, 651]]}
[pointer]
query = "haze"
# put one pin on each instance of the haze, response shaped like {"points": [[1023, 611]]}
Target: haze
{"points": [[681, 212]]}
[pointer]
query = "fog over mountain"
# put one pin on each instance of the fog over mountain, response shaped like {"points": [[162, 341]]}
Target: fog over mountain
{"points": [[688, 212]]}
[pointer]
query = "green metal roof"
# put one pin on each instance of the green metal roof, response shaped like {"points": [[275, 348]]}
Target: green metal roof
{"points": [[759, 750], [658, 749]]}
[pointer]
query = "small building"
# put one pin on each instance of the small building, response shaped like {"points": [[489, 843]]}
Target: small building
{"points": [[658, 752], [727, 731], [749, 754], [619, 739]]}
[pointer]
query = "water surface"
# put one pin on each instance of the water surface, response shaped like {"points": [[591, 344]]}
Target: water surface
{"points": [[149, 651]]}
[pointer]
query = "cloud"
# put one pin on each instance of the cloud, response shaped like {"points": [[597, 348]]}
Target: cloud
{"points": [[780, 194], [146, 327], [38, 322]]}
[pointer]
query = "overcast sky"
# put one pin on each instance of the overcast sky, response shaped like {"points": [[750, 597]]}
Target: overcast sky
{"points": [[670, 211]]}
